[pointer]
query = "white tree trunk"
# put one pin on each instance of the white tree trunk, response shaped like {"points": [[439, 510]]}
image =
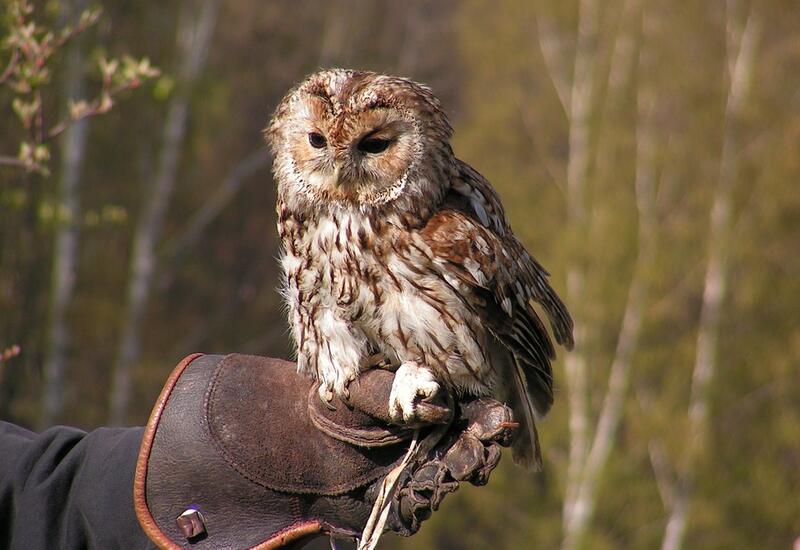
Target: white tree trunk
{"points": [[743, 51], [67, 237], [584, 494], [580, 104], [195, 27]]}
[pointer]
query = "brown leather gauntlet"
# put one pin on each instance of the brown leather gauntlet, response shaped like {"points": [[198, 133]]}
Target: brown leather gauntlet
{"points": [[240, 453]]}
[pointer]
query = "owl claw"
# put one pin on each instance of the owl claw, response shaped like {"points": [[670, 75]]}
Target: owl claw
{"points": [[325, 393], [413, 387]]}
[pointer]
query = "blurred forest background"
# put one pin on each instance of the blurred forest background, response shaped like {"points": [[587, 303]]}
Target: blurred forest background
{"points": [[648, 153]]}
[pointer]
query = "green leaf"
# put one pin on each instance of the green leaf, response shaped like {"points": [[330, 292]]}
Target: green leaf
{"points": [[41, 154], [105, 103], [90, 16], [25, 110], [108, 67]]}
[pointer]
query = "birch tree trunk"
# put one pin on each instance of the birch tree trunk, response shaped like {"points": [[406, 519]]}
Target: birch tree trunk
{"points": [[592, 467], [579, 110], [67, 237], [742, 54], [195, 27], [587, 462]]}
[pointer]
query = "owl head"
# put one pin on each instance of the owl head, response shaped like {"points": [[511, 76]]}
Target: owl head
{"points": [[356, 139]]}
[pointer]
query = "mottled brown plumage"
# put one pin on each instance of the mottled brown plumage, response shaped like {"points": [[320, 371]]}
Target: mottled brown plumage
{"points": [[392, 246]]}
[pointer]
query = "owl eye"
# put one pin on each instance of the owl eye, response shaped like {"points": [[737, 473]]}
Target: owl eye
{"points": [[317, 140], [373, 145]]}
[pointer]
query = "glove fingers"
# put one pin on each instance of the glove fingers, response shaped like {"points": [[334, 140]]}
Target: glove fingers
{"points": [[489, 420], [468, 454], [491, 459], [464, 457]]}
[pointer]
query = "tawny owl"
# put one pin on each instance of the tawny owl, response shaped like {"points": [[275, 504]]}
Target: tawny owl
{"points": [[393, 246]]}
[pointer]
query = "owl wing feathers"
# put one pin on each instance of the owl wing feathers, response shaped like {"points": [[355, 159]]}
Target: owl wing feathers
{"points": [[473, 247], [475, 258], [472, 194]]}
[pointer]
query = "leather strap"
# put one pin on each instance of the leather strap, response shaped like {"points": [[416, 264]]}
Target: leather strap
{"points": [[140, 478]]}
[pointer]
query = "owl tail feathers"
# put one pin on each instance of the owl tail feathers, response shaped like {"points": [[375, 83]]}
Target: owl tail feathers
{"points": [[525, 449]]}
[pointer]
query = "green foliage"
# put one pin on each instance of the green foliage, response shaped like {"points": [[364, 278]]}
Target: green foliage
{"points": [[30, 48]]}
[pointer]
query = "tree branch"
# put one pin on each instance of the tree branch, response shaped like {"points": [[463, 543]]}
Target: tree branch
{"points": [[665, 480], [18, 163], [231, 185], [628, 337], [10, 68], [551, 44], [98, 106], [528, 126]]}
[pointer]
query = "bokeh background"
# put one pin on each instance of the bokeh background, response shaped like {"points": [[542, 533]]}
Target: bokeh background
{"points": [[647, 152]]}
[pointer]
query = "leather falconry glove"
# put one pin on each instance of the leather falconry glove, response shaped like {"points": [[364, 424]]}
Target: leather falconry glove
{"points": [[240, 452]]}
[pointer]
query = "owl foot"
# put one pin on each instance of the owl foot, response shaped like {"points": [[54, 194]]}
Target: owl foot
{"points": [[413, 397], [325, 393], [336, 387]]}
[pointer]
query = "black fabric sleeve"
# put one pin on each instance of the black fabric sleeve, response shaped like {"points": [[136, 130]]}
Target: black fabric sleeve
{"points": [[68, 489]]}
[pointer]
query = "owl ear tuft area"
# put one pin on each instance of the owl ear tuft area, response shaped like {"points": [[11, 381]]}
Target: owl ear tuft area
{"points": [[272, 130]]}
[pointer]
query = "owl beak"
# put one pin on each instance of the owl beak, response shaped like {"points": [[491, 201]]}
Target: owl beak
{"points": [[336, 178]]}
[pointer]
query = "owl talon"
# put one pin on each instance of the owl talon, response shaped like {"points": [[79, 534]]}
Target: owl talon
{"points": [[412, 389], [325, 394]]}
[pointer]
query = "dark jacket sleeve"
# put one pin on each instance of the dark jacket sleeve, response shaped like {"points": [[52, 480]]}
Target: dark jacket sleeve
{"points": [[68, 489]]}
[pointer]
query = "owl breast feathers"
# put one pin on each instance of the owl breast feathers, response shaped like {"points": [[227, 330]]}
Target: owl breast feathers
{"points": [[393, 246]]}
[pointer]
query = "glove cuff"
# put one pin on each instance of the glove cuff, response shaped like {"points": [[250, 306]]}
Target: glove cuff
{"points": [[146, 519]]}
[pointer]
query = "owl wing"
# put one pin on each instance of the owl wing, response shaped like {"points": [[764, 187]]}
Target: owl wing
{"points": [[475, 250]]}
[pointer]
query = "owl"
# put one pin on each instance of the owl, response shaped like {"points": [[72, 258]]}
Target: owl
{"points": [[393, 247]]}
